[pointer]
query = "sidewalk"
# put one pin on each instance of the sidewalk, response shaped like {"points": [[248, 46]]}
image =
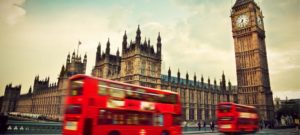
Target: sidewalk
{"points": [[194, 130], [197, 132]]}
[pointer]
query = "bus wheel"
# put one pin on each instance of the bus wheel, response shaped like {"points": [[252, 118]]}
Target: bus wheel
{"points": [[165, 132], [114, 133]]}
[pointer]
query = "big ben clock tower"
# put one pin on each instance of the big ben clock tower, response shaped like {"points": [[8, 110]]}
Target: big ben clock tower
{"points": [[251, 57]]}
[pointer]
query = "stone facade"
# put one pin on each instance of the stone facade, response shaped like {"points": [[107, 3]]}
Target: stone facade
{"points": [[251, 57], [24, 103], [10, 98], [199, 99], [48, 98], [140, 64]]}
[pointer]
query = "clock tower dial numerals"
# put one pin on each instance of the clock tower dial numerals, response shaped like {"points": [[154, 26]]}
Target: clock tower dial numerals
{"points": [[242, 21]]}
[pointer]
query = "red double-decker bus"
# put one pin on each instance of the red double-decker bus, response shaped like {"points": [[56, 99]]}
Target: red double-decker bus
{"points": [[96, 106], [236, 118]]}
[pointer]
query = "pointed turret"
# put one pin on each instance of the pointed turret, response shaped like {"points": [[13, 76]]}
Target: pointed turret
{"points": [[187, 78], [195, 79], [148, 42], [68, 58], [145, 42], [223, 87], [73, 56], [107, 52], [215, 84], [241, 2], [208, 81], [229, 85], [178, 76], [98, 53], [202, 81], [85, 59], [158, 45], [62, 71], [169, 75], [30, 90], [138, 36], [124, 43], [118, 53]]}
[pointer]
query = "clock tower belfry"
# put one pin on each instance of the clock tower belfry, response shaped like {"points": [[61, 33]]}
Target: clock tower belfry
{"points": [[251, 57]]}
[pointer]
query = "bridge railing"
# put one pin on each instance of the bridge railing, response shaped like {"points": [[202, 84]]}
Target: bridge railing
{"points": [[29, 127]]}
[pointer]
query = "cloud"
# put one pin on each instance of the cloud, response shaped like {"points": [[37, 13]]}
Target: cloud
{"points": [[11, 11], [201, 42], [196, 37]]}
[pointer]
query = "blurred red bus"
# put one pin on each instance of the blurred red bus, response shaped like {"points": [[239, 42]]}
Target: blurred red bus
{"points": [[96, 106], [237, 118]]}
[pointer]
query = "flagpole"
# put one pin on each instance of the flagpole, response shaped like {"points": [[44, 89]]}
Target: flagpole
{"points": [[78, 47]]}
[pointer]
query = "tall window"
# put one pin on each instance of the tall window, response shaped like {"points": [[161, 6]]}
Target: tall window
{"points": [[152, 69], [191, 117], [143, 67], [129, 67]]}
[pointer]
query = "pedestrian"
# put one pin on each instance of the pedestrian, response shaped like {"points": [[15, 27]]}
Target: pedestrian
{"points": [[204, 125], [185, 125], [261, 125], [199, 125], [212, 126]]}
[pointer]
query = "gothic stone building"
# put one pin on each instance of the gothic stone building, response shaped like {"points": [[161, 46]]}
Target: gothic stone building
{"points": [[9, 100], [47, 98], [137, 64], [140, 64], [251, 57]]}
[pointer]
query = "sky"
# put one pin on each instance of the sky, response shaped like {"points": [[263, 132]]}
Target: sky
{"points": [[37, 35]]}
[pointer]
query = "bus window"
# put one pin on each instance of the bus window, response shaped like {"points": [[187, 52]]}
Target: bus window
{"points": [[224, 108], [73, 109], [170, 98], [116, 91], [121, 117], [158, 120], [141, 94], [76, 87], [102, 88], [177, 119]]}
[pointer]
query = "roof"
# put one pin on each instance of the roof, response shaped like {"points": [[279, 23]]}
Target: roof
{"points": [[121, 83], [174, 80], [241, 2]]}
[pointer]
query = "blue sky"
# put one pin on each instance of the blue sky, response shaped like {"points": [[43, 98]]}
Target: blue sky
{"points": [[37, 35]]}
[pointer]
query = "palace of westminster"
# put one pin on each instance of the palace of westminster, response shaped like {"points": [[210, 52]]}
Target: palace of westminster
{"points": [[138, 63]]}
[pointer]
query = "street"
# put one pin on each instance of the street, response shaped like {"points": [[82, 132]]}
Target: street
{"points": [[291, 131]]}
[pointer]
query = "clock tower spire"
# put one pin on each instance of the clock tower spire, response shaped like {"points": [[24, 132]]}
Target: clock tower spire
{"points": [[251, 57]]}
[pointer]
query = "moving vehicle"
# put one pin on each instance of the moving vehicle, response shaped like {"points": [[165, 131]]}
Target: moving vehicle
{"points": [[236, 118], [96, 106]]}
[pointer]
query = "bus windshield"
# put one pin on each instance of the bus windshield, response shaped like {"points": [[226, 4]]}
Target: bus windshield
{"points": [[234, 118], [97, 106], [224, 108], [73, 109], [76, 87], [121, 92]]}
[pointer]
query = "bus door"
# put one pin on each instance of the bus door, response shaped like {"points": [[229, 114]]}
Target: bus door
{"points": [[88, 124]]}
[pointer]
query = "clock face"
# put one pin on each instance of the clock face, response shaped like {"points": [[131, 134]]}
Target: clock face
{"points": [[242, 21], [259, 21]]}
